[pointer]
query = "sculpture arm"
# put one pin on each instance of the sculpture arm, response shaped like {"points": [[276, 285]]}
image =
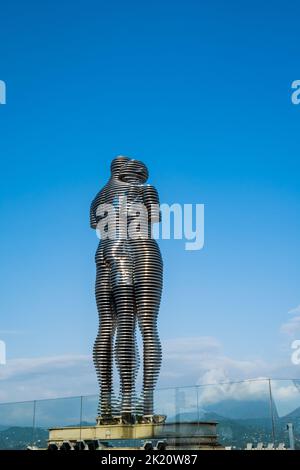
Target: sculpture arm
{"points": [[151, 201], [93, 209], [93, 221]]}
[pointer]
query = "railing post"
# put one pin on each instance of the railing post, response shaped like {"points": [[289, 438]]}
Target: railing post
{"points": [[33, 422], [272, 412], [80, 419], [198, 411]]}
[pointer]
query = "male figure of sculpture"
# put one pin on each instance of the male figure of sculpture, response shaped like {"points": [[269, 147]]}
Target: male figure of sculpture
{"points": [[128, 287]]}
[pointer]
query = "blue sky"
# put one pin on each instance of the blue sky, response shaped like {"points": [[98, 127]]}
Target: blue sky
{"points": [[202, 94]]}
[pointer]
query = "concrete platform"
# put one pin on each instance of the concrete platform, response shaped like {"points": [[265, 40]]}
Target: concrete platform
{"points": [[195, 435]]}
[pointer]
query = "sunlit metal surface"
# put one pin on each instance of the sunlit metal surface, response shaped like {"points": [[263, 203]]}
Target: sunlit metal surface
{"points": [[128, 292]]}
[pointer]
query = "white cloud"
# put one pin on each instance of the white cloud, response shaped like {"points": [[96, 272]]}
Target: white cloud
{"points": [[295, 311], [12, 332], [201, 360], [47, 377], [186, 361], [291, 327]]}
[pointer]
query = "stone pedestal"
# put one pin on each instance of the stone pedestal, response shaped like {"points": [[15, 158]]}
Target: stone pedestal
{"points": [[195, 435]]}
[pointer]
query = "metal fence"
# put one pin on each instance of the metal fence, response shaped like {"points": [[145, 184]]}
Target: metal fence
{"points": [[251, 411]]}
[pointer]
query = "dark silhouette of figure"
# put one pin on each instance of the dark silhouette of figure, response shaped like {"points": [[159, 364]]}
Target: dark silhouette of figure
{"points": [[128, 287]]}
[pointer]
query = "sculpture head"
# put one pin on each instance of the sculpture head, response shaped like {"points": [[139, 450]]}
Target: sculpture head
{"points": [[117, 164], [134, 171]]}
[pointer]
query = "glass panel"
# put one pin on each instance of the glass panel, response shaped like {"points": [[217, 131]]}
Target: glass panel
{"points": [[286, 406], [242, 410], [16, 425], [89, 410], [54, 413], [164, 400]]}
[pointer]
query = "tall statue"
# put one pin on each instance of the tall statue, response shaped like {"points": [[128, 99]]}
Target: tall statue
{"points": [[128, 289]]}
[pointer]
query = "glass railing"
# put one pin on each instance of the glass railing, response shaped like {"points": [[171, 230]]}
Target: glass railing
{"points": [[247, 412]]}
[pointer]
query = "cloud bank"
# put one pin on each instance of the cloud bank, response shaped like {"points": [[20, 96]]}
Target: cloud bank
{"points": [[186, 361]]}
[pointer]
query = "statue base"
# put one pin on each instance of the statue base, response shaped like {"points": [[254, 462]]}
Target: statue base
{"points": [[195, 435], [131, 419]]}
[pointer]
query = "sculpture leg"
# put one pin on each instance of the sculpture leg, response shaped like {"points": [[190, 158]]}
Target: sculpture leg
{"points": [[148, 287], [147, 318], [125, 341], [103, 347]]}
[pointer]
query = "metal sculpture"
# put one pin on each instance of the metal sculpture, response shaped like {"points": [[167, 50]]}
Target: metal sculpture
{"points": [[128, 288]]}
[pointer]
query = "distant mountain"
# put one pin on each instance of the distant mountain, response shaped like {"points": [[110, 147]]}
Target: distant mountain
{"points": [[240, 422], [19, 438], [294, 414], [241, 409], [232, 409]]}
